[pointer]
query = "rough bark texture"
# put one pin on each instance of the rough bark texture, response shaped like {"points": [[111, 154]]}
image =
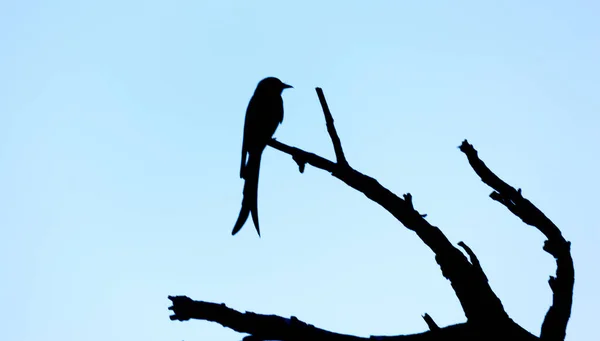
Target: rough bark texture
{"points": [[486, 318]]}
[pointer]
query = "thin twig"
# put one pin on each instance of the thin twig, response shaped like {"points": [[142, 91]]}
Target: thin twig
{"points": [[335, 139], [430, 322]]}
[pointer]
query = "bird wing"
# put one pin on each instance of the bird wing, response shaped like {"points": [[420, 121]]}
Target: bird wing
{"points": [[263, 116], [250, 126], [273, 116]]}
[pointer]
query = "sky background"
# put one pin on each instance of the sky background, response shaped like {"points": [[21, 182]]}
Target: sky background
{"points": [[120, 136]]}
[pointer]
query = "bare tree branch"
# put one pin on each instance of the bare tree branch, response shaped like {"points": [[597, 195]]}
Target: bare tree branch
{"points": [[486, 318], [273, 327], [335, 139], [474, 261], [266, 327], [555, 322], [473, 291], [430, 322]]}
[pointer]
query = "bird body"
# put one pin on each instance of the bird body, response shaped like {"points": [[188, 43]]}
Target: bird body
{"points": [[263, 115]]}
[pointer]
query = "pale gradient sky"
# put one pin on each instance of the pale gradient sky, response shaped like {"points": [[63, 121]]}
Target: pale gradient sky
{"points": [[120, 134]]}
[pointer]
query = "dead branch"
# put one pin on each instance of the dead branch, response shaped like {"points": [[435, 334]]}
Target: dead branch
{"points": [[555, 323], [486, 318], [479, 302], [273, 327]]}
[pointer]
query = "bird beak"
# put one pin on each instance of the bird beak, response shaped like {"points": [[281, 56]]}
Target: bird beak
{"points": [[286, 86]]}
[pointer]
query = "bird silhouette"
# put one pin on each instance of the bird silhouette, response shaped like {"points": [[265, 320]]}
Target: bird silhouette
{"points": [[263, 115]]}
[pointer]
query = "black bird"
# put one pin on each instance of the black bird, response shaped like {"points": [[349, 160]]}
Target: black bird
{"points": [[264, 114]]}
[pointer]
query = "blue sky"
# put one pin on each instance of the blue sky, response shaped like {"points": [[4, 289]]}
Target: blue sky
{"points": [[120, 136]]}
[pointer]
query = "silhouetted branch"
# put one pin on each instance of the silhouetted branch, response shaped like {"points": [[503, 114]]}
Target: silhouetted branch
{"points": [[265, 327], [302, 157], [555, 322], [478, 301], [335, 139], [273, 327], [474, 261], [430, 322], [486, 318]]}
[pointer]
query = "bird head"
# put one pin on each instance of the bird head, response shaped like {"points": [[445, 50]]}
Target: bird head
{"points": [[272, 85]]}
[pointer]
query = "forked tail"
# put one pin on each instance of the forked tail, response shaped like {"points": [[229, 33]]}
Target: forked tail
{"points": [[249, 203]]}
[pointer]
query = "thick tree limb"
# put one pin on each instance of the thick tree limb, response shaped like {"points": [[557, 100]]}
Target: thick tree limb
{"points": [[265, 327], [486, 318], [273, 327], [468, 281], [555, 322], [472, 289]]}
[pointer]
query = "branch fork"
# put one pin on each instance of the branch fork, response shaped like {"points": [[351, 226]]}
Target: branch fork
{"points": [[486, 318]]}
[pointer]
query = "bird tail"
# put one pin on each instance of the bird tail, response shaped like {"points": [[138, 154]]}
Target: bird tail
{"points": [[250, 202]]}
